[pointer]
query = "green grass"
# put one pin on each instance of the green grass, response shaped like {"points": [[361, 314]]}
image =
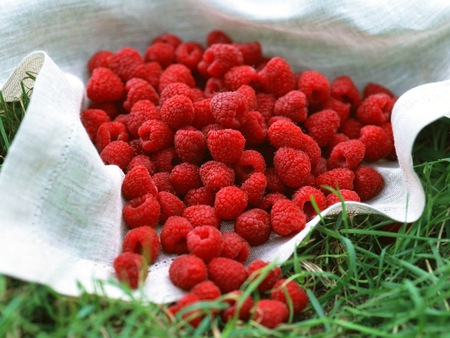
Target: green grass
{"points": [[358, 285]]}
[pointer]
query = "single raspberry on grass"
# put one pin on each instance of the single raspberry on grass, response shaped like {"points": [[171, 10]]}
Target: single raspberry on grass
{"points": [[119, 153], [161, 52], [218, 59], [104, 86], [137, 90], [270, 313], [186, 271], [165, 159], [92, 119], [315, 86], [189, 54], [99, 59], [347, 154], [144, 210], [108, 132], [201, 195], [150, 72], [162, 182], [141, 111], [138, 182], [277, 77], [205, 242], [177, 111], [190, 145], [254, 226], [235, 247], [170, 204], [173, 235], [131, 269], [259, 268], [344, 89], [226, 273], [377, 141], [216, 175], [155, 135], [287, 218], [184, 177], [293, 105], [339, 178], [290, 293], [142, 160], [225, 145], [206, 290], [238, 76], [368, 182], [291, 166], [202, 215], [254, 129], [238, 306], [176, 73], [375, 109], [322, 126], [143, 241], [255, 187], [303, 198], [228, 109], [347, 195], [230, 202]]}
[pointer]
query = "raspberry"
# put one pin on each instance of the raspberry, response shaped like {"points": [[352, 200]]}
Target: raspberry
{"points": [[254, 129], [291, 294], [184, 177], [177, 111], [240, 75], [206, 290], [375, 88], [337, 138], [168, 38], [205, 242], [344, 89], [228, 109], [202, 215], [141, 160], [287, 218], [121, 118], [150, 72], [322, 126], [109, 108], [202, 114], [277, 77], [119, 153], [176, 88], [347, 195], [341, 108], [235, 247], [254, 226], [201, 195], [291, 166], [143, 241], [226, 273], [347, 154], [131, 269], [284, 133], [137, 90], [137, 147], [92, 119], [165, 159], [209, 127], [315, 86], [225, 145], [292, 105], [197, 94], [250, 162], [161, 52], [213, 86], [270, 199], [230, 202], [255, 187], [186, 271], [377, 142], [170, 204], [352, 128], [237, 306], [387, 127], [216, 175], [258, 268], [144, 210], [311, 148], [189, 54], [162, 182], [104, 86], [99, 59], [265, 104], [141, 111], [155, 135], [193, 317], [320, 167], [270, 313], [138, 182], [219, 58], [303, 199], [251, 51], [124, 61], [217, 36], [176, 73], [368, 182], [190, 145], [375, 109], [339, 178], [249, 95], [173, 235]]}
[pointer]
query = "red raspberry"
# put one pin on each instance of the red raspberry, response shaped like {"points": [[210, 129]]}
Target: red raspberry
{"points": [[322, 126], [225, 145], [192, 317], [173, 89], [344, 89], [311, 148], [352, 128], [176, 73], [201, 195], [165, 159], [339, 178], [137, 90], [270, 313], [341, 108], [291, 166], [229, 109], [197, 94], [142, 160], [202, 215], [270, 199], [265, 104], [292, 105], [209, 127], [186, 271], [240, 75], [138, 182], [289, 292], [271, 275], [177, 111], [144, 210], [109, 108], [121, 118], [219, 58], [99, 59], [235, 247], [206, 290], [226, 273], [368, 182], [104, 86], [375, 109], [119, 153], [170, 204], [377, 141], [92, 119], [124, 61], [250, 162], [254, 226], [347, 195], [337, 138], [287, 218], [255, 187], [249, 95], [217, 36], [161, 52], [387, 127], [205, 242], [254, 129], [315, 86], [284, 133], [190, 145], [251, 51], [184, 177], [168, 38], [150, 72], [230, 202], [375, 88], [202, 114], [141, 111], [347, 154], [143, 241], [131, 269], [320, 167], [173, 235], [216, 175], [238, 307], [162, 182], [189, 54], [277, 77], [303, 199], [155, 135], [213, 86]]}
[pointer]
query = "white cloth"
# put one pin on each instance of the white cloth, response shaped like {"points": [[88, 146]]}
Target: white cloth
{"points": [[60, 207]]}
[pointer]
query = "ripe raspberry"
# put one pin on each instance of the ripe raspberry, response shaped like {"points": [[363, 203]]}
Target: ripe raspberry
{"points": [[201, 195], [249, 95], [217, 36], [155, 135], [320, 167], [344, 89], [375, 109], [254, 129], [206, 290], [347, 195], [240, 75], [176, 88], [293, 105], [141, 160], [150, 72], [205, 242], [202, 114], [251, 51], [131, 269], [265, 104], [214, 86], [173, 235], [124, 61], [228, 109], [368, 182], [177, 111], [216, 175], [270, 313], [119, 153], [168, 38], [225, 145], [230, 202], [219, 58], [352, 128], [258, 268], [284, 133], [255, 187], [104, 86], [254, 226], [337, 138], [250, 162], [162, 182], [202, 215], [165, 159], [348, 154], [277, 77], [287, 218], [192, 317], [238, 307], [197, 95], [378, 143], [189, 54], [184, 177], [289, 292], [303, 199], [143, 241], [339, 178], [322, 126], [341, 108], [141, 111], [92, 119], [161, 52], [315, 86], [270, 199], [109, 108], [186, 271], [176, 73], [138, 182], [387, 127], [99, 59], [235, 247], [190, 145], [137, 90], [372, 88], [291, 166], [144, 210], [209, 127], [170, 204], [226, 273]]}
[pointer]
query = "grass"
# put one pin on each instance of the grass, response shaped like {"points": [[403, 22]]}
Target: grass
{"points": [[359, 284]]}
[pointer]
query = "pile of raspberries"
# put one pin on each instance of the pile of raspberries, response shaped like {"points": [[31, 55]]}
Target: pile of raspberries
{"points": [[223, 133]]}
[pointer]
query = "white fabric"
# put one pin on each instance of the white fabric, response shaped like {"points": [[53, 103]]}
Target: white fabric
{"points": [[60, 207]]}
